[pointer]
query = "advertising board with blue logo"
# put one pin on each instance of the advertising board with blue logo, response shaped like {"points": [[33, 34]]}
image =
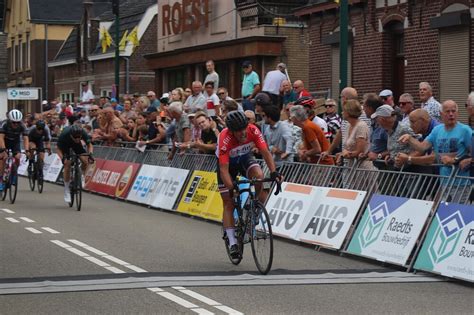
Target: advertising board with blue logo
{"points": [[449, 245], [158, 186], [390, 228]]}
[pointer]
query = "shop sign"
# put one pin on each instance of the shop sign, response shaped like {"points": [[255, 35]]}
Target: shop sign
{"points": [[184, 16]]}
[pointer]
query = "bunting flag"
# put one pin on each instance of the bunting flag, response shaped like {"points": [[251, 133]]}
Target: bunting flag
{"points": [[133, 37], [123, 41], [106, 39]]}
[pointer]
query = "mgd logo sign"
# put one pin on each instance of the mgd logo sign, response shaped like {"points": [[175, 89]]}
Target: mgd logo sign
{"points": [[446, 237], [373, 226]]}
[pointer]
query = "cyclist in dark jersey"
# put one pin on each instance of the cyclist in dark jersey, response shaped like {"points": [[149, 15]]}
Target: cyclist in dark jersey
{"points": [[234, 152], [11, 131], [72, 138], [39, 135]]}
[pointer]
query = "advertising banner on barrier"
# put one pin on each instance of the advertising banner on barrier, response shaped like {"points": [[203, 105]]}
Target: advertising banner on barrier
{"points": [[54, 165], [201, 197], [158, 186], [449, 245], [330, 216], [288, 210], [113, 178], [390, 228]]}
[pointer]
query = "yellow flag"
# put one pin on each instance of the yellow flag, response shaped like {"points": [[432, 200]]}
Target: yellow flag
{"points": [[123, 41], [337, 1], [133, 37], [106, 40]]}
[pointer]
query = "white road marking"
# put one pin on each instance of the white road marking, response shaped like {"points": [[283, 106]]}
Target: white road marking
{"points": [[77, 252], [50, 230], [114, 269], [115, 260], [97, 261], [33, 230], [8, 211], [177, 299], [135, 268], [198, 297], [27, 219], [201, 311], [62, 244], [13, 220], [155, 289], [228, 310]]}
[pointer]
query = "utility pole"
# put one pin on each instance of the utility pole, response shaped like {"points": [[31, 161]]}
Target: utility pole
{"points": [[115, 11], [343, 46]]}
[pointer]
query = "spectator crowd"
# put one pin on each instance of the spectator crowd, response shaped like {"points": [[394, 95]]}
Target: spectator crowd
{"points": [[374, 130]]}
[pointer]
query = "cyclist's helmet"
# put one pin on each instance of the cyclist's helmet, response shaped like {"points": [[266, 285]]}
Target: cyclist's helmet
{"points": [[236, 121], [40, 125], [305, 101], [76, 131], [15, 115]]}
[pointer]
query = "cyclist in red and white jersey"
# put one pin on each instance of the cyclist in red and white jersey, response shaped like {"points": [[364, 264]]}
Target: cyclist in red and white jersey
{"points": [[234, 151]]}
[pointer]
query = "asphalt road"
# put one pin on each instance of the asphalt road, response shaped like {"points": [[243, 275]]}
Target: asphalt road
{"points": [[119, 258]]}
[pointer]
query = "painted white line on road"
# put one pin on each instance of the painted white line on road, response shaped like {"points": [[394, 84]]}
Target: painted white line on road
{"points": [[7, 210], [114, 270], [202, 311], [27, 219], [89, 248], [228, 310], [12, 220], [33, 230], [115, 260], [155, 290], [77, 252], [177, 300], [198, 296], [135, 268], [97, 261], [62, 244], [50, 230]]}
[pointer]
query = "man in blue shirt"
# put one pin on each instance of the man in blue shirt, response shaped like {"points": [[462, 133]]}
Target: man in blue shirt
{"points": [[250, 85], [451, 142]]}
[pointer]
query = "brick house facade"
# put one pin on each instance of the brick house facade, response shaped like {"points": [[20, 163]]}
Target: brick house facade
{"points": [[395, 45]]}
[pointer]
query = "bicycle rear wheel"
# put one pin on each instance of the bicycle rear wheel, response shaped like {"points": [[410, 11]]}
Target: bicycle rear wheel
{"points": [[78, 188], [13, 184], [261, 238], [237, 260], [31, 176]]}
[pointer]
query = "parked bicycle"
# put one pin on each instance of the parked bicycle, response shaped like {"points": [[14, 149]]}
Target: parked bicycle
{"points": [[10, 178], [35, 171], [252, 225], [76, 179]]}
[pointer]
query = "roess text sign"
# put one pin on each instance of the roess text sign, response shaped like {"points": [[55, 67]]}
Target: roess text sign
{"points": [[390, 228], [183, 16], [158, 186], [113, 178], [449, 245], [288, 210], [330, 216], [201, 197]]}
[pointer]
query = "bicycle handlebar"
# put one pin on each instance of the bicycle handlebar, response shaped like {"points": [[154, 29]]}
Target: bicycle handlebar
{"points": [[263, 180]]}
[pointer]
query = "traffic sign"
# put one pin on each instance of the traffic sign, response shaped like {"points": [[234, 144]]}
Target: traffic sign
{"points": [[30, 93]]}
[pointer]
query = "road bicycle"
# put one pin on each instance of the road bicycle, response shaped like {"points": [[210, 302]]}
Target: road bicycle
{"points": [[35, 171], [252, 224], [10, 178], [75, 186]]}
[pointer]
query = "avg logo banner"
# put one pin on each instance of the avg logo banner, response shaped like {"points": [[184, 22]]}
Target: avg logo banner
{"points": [[201, 197], [316, 215], [390, 228], [449, 245]]}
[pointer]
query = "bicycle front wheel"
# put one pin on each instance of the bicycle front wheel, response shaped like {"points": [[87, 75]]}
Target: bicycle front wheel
{"points": [[78, 188], [13, 185], [31, 176], [261, 238]]}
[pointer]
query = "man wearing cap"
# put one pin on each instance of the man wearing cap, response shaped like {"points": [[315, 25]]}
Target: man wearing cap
{"points": [[212, 75], [115, 105], [428, 102], [387, 98], [250, 85], [154, 102], [272, 83], [87, 97], [196, 101], [387, 119]]}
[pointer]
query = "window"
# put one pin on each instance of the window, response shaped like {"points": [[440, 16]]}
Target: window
{"points": [[17, 57], [27, 51], [222, 70], [175, 78], [106, 92], [67, 96], [20, 54], [12, 56]]}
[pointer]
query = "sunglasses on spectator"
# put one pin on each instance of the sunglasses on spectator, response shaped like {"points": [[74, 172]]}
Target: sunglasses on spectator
{"points": [[221, 93], [403, 103], [329, 105], [93, 110]]}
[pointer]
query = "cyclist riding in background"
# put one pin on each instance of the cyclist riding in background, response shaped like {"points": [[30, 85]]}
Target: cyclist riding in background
{"points": [[72, 138], [234, 152], [39, 136], [11, 131]]}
